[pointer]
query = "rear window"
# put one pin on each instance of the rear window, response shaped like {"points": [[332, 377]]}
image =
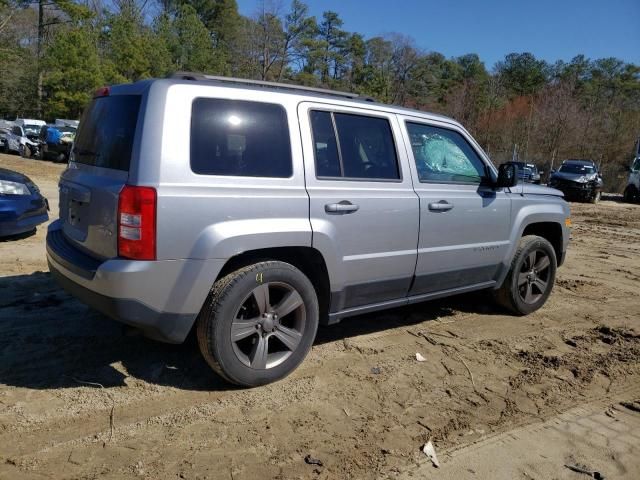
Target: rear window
{"points": [[106, 132], [239, 138]]}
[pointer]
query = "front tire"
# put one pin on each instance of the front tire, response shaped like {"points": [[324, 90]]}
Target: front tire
{"points": [[25, 151], [530, 278], [630, 194], [258, 323]]}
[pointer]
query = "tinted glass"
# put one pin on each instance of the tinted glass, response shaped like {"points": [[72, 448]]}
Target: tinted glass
{"points": [[325, 145], [367, 148], [31, 129], [443, 155], [636, 165], [231, 137], [577, 168], [106, 132]]}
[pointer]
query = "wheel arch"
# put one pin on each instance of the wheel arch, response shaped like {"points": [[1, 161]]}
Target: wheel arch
{"points": [[551, 231], [306, 259]]}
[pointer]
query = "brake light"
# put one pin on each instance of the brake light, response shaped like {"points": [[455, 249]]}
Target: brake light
{"points": [[137, 223], [102, 92]]}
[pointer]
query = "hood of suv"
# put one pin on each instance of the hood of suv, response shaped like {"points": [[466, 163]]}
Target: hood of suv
{"points": [[533, 189]]}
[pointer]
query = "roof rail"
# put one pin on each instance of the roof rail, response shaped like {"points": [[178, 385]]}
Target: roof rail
{"points": [[262, 83]]}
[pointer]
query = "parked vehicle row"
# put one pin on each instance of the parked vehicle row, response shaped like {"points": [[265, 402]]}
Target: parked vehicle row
{"points": [[252, 211], [36, 139]]}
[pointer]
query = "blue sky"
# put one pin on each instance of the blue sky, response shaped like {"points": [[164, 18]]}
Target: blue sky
{"points": [[552, 30]]}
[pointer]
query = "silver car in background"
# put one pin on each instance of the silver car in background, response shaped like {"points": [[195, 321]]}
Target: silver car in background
{"points": [[253, 211]]}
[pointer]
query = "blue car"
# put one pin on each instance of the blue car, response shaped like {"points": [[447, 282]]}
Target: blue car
{"points": [[22, 207]]}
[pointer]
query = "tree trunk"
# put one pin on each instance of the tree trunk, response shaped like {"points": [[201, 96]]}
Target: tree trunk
{"points": [[39, 56]]}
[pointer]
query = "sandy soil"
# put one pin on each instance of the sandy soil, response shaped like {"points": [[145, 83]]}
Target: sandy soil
{"points": [[81, 399]]}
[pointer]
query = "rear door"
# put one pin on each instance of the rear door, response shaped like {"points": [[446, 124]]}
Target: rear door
{"points": [[464, 223], [363, 210], [98, 168]]}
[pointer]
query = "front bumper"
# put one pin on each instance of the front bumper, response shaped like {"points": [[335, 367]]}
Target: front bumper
{"points": [[576, 191], [161, 298], [22, 213]]}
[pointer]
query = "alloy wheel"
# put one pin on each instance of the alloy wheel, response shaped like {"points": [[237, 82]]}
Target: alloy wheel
{"points": [[533, 278], [269, 325]]}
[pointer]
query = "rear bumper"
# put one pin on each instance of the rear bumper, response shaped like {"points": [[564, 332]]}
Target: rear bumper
{"points": [[20, 214], [161, 298]]}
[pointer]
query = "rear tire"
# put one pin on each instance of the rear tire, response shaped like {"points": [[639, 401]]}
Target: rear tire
{"points": [[258, 323], [530, 278]]}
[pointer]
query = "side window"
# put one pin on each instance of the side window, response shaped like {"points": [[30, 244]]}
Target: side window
{"points": [[443, 155], [325, 145], [239, 138], [363, 149]]}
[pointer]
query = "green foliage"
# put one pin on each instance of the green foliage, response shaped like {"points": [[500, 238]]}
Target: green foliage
{"points": [[184, 43], [72, 67], [126, 45], [584, 107], [522, 73]]}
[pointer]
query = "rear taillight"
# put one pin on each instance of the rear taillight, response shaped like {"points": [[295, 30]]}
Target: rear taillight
{"points": [[137, 223], [102, 92]]}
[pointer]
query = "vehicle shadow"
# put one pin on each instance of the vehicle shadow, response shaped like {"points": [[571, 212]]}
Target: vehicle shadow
{"points": [[48, 339], [19, 236]]}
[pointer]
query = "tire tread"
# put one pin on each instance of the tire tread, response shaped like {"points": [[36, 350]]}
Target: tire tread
{"points": [[217, 296], [504, 295]]}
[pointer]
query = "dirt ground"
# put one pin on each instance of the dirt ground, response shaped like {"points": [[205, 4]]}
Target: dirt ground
{"points": [[79, 398]]}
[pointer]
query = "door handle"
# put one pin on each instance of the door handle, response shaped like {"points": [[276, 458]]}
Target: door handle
{"points": [[341, 208], [441, 206]]}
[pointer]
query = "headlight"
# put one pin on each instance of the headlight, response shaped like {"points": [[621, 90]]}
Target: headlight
{"points": [[582, 179], [13, 188]]}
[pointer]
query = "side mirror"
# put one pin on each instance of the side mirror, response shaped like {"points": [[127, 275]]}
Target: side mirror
{"points": [[507, 175]]}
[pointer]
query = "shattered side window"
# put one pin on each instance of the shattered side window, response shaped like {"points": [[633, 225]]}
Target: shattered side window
{"points": [[443, 155]]}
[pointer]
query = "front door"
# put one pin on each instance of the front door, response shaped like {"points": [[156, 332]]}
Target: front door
{"points": [[464, 223], [363, 209]]}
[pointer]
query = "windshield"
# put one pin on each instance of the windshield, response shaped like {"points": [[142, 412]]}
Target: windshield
{"points": [[31, 129], [577, 168]]}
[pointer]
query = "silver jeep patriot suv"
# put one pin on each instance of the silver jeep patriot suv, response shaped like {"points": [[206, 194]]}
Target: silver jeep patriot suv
{"points": [[254, 211]]}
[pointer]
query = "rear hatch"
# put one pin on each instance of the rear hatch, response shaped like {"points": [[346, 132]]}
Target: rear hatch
{"points": [[98, 169]]}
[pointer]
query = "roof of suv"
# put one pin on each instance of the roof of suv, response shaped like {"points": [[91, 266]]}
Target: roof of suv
{"points": [[289, 89]]}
